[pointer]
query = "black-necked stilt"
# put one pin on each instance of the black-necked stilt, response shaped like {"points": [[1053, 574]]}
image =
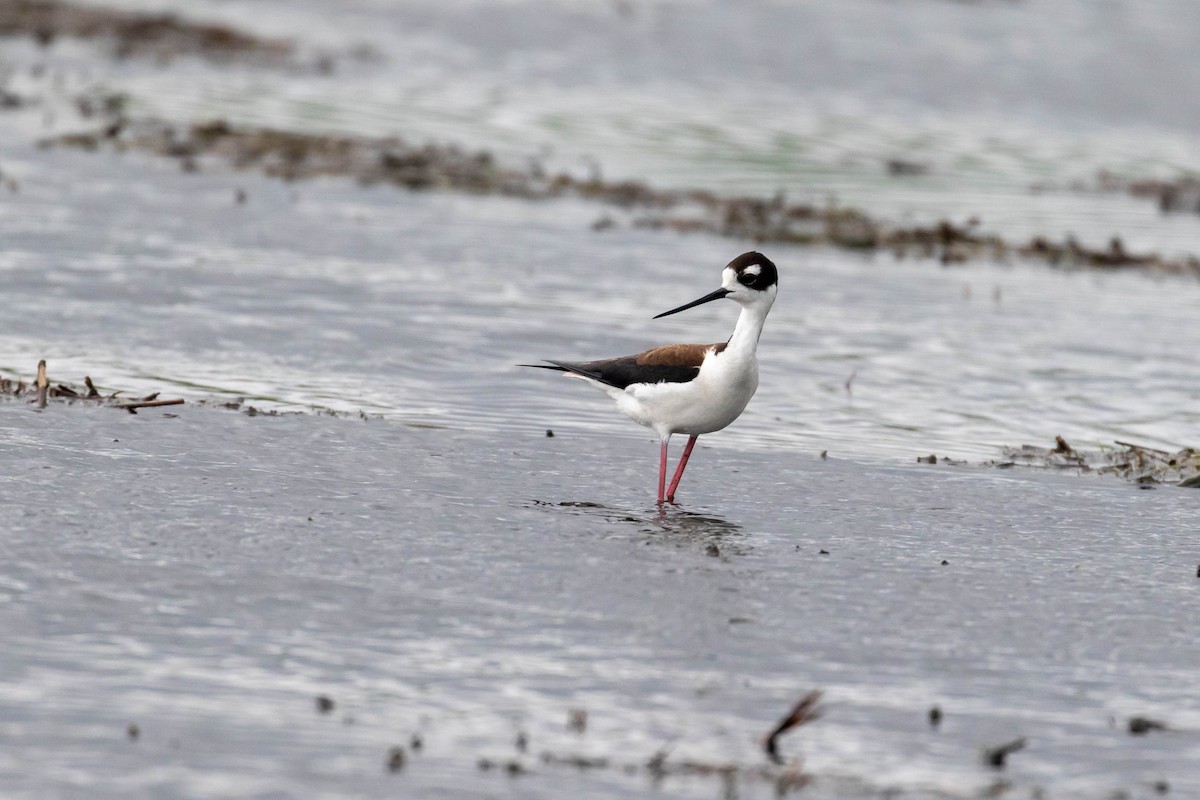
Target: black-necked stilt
{"points": [[690, 388]]}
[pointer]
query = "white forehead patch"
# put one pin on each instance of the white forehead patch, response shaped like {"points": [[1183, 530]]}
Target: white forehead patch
{"points": [[754, 270]]}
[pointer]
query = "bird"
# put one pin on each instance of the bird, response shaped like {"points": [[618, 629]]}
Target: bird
{"points": [[690, 389]]}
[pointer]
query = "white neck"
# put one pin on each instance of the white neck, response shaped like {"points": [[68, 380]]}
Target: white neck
{"points": [[748, 329]]}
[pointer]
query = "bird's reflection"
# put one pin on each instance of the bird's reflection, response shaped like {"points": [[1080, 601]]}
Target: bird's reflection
{"points": [[690, 523], [672, 523]]}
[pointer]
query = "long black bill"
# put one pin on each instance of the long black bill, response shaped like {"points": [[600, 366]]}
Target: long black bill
{"points": [[708, 298]]}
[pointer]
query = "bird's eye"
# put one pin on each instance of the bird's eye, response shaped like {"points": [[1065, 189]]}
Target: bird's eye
{"points": [[750, 274]]}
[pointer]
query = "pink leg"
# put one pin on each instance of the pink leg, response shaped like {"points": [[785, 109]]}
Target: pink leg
{"points": [[662, 470], [683, 459]]}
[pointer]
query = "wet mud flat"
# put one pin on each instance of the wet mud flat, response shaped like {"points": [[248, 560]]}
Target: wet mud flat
{"points": [[332, 607]]}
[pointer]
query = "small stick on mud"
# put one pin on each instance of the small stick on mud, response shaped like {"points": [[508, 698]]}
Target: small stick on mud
{"points": [[802, 713], [1139, 726], [1140, 447], [40, 391], [134, 406], [996, 756], [42, 384], [577, 719]]}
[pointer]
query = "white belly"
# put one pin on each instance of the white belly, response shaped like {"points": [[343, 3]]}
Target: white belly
{"points": [[708, 403]]}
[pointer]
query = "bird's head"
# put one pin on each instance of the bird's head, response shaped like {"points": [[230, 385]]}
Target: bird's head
{"points": [[750, 280]]}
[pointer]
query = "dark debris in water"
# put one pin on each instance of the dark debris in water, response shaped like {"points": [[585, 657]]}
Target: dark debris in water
{"points": [[395, 759], [1139, 726], [900, 167], [41, 391], [1180, 195], [577, 761], [293, 156], [936, 459], [577, 719], [512, 767], [785, 776], [998, 756], [133, 33], [789, 777], [806, 710], [1140, 464]]}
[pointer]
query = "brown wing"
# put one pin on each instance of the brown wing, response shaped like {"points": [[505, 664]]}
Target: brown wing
{"points": [[675, 363], [677, 355]]}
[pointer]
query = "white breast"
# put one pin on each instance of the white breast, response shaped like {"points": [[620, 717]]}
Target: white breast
{"points": [[705, 404]]}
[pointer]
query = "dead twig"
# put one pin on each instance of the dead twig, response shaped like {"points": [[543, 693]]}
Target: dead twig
{"points": [[41, 391], [42, 384], [802, 713], [1143, 725], [134, 406], [996, 756], [1140, 447]]}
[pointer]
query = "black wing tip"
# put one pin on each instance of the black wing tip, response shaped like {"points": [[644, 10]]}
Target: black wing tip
{"points": [[581, 370]]}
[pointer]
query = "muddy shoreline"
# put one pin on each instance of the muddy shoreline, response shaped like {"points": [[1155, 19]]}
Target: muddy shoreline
{"points": [[235, 553]]}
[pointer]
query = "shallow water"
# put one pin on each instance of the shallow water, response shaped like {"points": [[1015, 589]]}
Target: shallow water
{"points": [[418, 307], [443, 568]]}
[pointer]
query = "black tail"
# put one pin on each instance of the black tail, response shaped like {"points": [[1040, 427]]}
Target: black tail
{"points": [[554, 367], [586, 369]]}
